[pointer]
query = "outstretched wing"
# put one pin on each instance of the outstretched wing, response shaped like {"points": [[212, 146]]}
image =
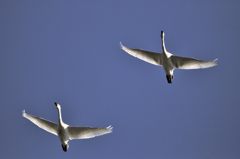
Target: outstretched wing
{"points": [[42, 123], [191, 63], [87, 132], [150, 57]]}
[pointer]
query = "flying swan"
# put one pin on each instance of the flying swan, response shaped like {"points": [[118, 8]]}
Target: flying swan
{"points": [[66, 132], [168, 61]]}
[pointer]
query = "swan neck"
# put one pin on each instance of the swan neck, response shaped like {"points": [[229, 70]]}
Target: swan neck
{"points": [[163, 45], [60, 116]]}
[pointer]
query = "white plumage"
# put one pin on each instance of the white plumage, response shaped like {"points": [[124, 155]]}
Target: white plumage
{"points": [[66, 132], [168, 61]]}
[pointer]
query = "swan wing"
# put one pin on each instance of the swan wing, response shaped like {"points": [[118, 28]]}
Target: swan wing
{"points": [[147, 56], [42, 123], [87, 132], [191, 63]]}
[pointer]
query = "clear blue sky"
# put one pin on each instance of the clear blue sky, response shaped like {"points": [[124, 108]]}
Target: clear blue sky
{"points": [[68, 52]]}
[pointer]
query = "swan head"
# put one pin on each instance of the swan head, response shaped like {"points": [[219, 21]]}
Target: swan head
{"points": [[162, 34], [57, 105]]}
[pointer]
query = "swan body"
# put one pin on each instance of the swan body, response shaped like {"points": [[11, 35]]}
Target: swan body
{"points": [[168, 61], [66, 132]]}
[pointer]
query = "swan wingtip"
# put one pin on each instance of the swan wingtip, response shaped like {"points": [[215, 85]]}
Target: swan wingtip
{"points": [[23, 113], [216, 61], [110, 128], [121, 44]]}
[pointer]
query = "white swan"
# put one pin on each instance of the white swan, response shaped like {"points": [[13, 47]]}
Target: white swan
{"points": [[66, 132], [168, 60]]}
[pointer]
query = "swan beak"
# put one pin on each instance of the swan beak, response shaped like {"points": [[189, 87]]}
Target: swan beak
{"points": [[56, 104], [162, 34]]}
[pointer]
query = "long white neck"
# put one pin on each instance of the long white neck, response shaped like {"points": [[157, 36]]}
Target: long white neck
{"points": [[60, 116], [163, 44], [167, 54]]}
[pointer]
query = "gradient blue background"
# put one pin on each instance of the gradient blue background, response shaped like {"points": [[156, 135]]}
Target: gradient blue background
{"points": [[68, 52]]}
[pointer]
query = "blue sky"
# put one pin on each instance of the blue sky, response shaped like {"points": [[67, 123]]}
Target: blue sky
{"points": [[68, 52]]}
